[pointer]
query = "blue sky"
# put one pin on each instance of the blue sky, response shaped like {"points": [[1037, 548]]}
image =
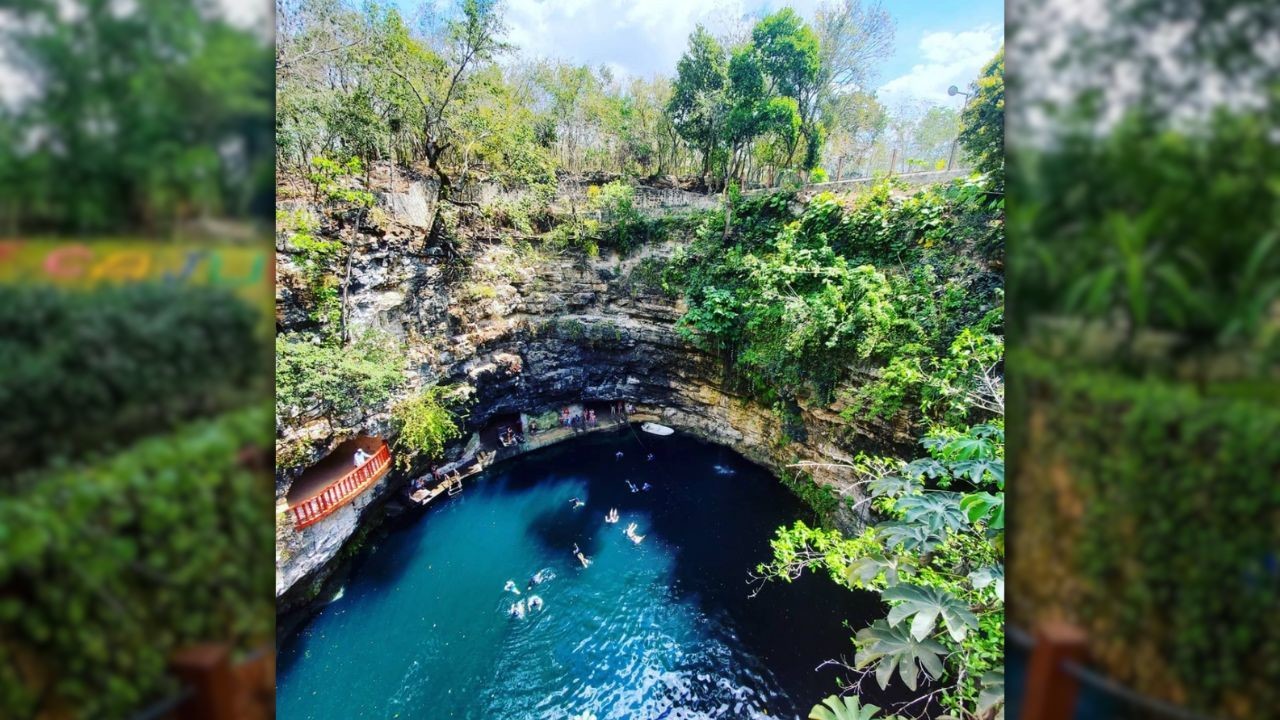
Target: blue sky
{"points": [[937, 43]]}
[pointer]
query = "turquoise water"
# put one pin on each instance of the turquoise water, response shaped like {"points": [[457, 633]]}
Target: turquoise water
{"points": [[422, 627]]}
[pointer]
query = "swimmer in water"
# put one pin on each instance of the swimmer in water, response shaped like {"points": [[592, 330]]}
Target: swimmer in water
{"points": [[577, 503], [631, 534], [537, 579], [581, 558], [632, 486], [511, 587], [517, 610], [535, 603], [618, 455], [650, 458], [612, 516], [646, 487]]}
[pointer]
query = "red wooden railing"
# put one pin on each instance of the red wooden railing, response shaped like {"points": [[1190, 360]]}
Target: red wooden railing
{"points": [[342, 490]]}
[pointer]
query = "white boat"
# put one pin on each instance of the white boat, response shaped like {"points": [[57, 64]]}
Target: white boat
{"points": [[656, 429]]}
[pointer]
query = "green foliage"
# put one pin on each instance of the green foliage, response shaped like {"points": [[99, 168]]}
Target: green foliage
{"points": [[109, 567], [697, 99], [317, 257], [1151, 231], [982, 122], [316, 379], [844, 708], [795, 304], [84, 370], [425, 424], [1185, 482], [624, 228], [940, 569], [328, 178], [130, 110], [820, 498]]}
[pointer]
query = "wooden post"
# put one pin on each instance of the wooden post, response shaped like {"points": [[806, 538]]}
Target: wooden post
{"points": [[840, 169], [1052, 692], [206, 669], [893, 159]]}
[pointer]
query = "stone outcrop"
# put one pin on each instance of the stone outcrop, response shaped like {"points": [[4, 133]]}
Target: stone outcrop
{"points": [[530, 331]]}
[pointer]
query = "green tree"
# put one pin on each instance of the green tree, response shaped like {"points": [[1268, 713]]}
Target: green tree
{"points": [[698, 105], [982, 122], [129, 124], [787, 52]]}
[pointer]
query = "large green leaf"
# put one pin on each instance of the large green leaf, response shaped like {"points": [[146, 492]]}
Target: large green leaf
{"points": [[969, 448], [894, 486], [889, 648], [992, 693], [926, 605], [983, 506], [843, 708], [991, 575], [925, 466], [911, 537], [864, 570], [938, 511], [977, 470]]}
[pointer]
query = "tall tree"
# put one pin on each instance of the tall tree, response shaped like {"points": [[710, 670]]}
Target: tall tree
{"points": [[697, 106], [787, 53], [982, 122]]}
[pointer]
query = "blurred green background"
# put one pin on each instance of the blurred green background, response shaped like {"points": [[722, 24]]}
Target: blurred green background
{"points": [[1144, 304], [136, 196]]}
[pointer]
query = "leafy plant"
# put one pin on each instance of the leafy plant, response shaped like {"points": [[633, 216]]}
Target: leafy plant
{"points": [[844, 708], [111, 565], [425, 423], [105, 366], [936, 560]]}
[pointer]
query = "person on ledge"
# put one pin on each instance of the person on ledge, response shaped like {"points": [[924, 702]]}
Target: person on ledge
{"points": [[361, 457]]}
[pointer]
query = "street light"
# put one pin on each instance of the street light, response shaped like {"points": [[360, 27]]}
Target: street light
{"points": [[954, 91]]}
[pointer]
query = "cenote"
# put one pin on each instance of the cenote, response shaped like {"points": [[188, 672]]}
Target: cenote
{"points": [[662, 629]]}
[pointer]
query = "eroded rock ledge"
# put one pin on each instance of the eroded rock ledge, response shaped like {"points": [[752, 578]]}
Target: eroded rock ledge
{"points": [[531, 332]]}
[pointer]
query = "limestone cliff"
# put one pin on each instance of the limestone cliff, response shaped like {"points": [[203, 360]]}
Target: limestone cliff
{"points": [[531, 330]]}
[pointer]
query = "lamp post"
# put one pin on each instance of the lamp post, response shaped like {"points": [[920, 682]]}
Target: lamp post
{"points": [[954, 91]]}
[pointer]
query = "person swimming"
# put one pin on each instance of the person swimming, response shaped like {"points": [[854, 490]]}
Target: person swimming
{"points": [[632, 486], [511, 587], [618, 455], [646, 487], [577, 503], [612, 516], [650, 458], [586, 562], [631, 534], [539, 577], [517, 610], [535, 603]]}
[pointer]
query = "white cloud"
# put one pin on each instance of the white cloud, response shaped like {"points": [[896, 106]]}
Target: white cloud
{"points": [[640, 38], [249, 14], [950, 58]]}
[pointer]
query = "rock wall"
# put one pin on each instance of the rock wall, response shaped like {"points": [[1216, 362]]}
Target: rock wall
{"points": [[530, 331]]}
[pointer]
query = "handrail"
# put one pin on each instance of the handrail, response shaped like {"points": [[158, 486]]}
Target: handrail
{"points": [[342, 490], [1065, 672]]}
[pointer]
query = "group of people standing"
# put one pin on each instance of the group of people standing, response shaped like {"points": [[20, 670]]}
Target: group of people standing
{"points": [[580, 422]]}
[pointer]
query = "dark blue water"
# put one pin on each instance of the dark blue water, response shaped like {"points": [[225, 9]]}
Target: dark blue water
{"points": [[422, 627]]}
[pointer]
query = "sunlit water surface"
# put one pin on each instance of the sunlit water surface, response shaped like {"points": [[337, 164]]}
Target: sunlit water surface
{"points": [[662, 629]]}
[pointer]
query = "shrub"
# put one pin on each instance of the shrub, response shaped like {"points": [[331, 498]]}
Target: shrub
{"points": [[87, 369], [108, 568]]}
